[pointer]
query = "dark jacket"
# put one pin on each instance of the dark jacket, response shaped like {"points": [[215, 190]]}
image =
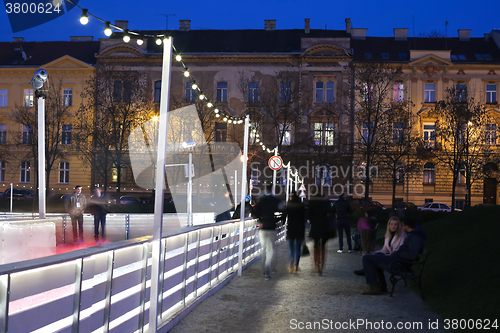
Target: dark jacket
{"points": [[296, 212], [342, 208], [318, 211], [98, 205], [265, 210], [248, 210], [412, 246]]}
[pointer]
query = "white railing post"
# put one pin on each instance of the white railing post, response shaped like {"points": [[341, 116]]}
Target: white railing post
{"points": [[243, 192]]}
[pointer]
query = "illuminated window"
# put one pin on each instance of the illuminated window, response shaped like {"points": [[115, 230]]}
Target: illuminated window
{"points": [[28, 97], [399, 92], [324, 134], [429, 173], [491, 134], [3, 97]]}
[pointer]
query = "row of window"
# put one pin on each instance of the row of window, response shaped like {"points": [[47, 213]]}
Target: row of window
{"points": [[26, 168], [27, 135], [28, 97]]}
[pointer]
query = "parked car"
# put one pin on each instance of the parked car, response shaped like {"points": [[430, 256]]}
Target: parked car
{"points": [[124, 200], [405, 206], [437, 207], [18, 194]]}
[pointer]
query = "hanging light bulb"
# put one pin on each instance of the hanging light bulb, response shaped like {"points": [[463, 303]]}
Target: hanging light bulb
{"points": [[84, 19], [202, 97], [140, 40], [194, 86], [225, 119], [216, 110], [209, 104], [186, 73], [158, 41], [217, 115], [178, 57], [107, 29], [230, 121], [126, 37]]}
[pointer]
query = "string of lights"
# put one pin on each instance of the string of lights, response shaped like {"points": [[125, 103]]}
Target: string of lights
{"points": [[84, 19]]}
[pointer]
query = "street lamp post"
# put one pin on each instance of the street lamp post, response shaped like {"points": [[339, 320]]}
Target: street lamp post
{"points": [[190, 145]]}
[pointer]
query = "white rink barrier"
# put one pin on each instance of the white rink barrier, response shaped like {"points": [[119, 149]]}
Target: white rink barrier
{"points": [[106, 288], [22, 239]]}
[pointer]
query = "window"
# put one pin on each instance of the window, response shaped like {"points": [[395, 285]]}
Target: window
{"points": [[491, 134], [117, 91], [3, 134], [385, 55], [400, 172], [157, 91], [220, 132], [324, 134], [324, 95], [127, 91], [398, 132], [429, 135], [429, 92], [253, 92], [368, 92], [285, 134], [27, 134], [67, 97], [3, 97], [461, 174], [285, 92], [191, 94], [28, 97], [323, 175], [66, 134], [368, 55], [2, 171], [64, 172], [402, 56], [114, 173], [222, 92], [367, 132], [254, 176], [461, 93], [25, 172], [491, 93], [429, 173], [399, 92]]}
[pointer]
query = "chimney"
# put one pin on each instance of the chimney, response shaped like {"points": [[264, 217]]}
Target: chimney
{"points": [[464, 35], [308, 26], [270, 25], [81, 38], [400, 33], [486, 37], [18, 39], [358, 33], [348, 25], [184, 25], [121, 24]]}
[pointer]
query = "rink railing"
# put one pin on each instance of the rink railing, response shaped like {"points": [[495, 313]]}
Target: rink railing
{"points": [[106, 288]]}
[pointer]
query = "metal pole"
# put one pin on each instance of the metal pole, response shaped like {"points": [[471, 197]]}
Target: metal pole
{"points": [[160, 184], [287, 180], [11, 196], [41, 158], [235, 187], [190, 190], [275, 172], [296, 179], [243, 193]]}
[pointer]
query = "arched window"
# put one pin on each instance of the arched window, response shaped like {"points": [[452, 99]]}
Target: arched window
{"points": [[323, 175], [429, 173]]}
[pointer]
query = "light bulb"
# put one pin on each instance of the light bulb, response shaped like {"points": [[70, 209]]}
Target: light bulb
{"points": [[217, 115], [216, 110], [225, 119], [178, 57], [202, 97], [140, 41], [84, 19], [209, 104], [194, 86], [126, 37], [158, 41], [107, 29], [186, 73], [230, 121]]}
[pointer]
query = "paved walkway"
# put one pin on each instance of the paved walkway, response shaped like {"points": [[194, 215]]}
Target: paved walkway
{"points": [[306, 302]]}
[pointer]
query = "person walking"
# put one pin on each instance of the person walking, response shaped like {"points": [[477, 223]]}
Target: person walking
{"points": [[75, 205], [98, 208], [318, 211], [295, 232], [342, 211], [265, 210]]}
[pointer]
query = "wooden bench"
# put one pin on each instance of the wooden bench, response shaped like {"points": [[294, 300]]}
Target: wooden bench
{"points": [[408, 270]]}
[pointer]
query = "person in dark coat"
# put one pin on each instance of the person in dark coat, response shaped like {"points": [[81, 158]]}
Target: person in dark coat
{"points": [[248, 210], [318, 212], [295, 233], [342, 213], [98, 208]]}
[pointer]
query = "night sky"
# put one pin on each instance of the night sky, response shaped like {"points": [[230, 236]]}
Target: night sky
{"points": [[379, 17]]}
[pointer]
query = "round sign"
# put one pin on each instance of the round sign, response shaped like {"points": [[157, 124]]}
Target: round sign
{"points": [[275, 162]]}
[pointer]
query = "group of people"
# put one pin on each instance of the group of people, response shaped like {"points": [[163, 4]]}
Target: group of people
{"points": [[403, 239], [77, 203]]}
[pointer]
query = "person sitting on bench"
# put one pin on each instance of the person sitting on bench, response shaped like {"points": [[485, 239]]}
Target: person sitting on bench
{"points": [[375, 264]]}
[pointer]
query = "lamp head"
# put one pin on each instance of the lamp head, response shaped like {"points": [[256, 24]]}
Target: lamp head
{"points": [[188, 144], [39, 79]]}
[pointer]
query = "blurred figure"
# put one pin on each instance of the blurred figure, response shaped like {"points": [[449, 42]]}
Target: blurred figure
{"points": [[265, 210], [98, 208], [318, 211], [221, 200], [342, 211], [295, 233], [367, 227], [248, 209], [75, 205]]}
